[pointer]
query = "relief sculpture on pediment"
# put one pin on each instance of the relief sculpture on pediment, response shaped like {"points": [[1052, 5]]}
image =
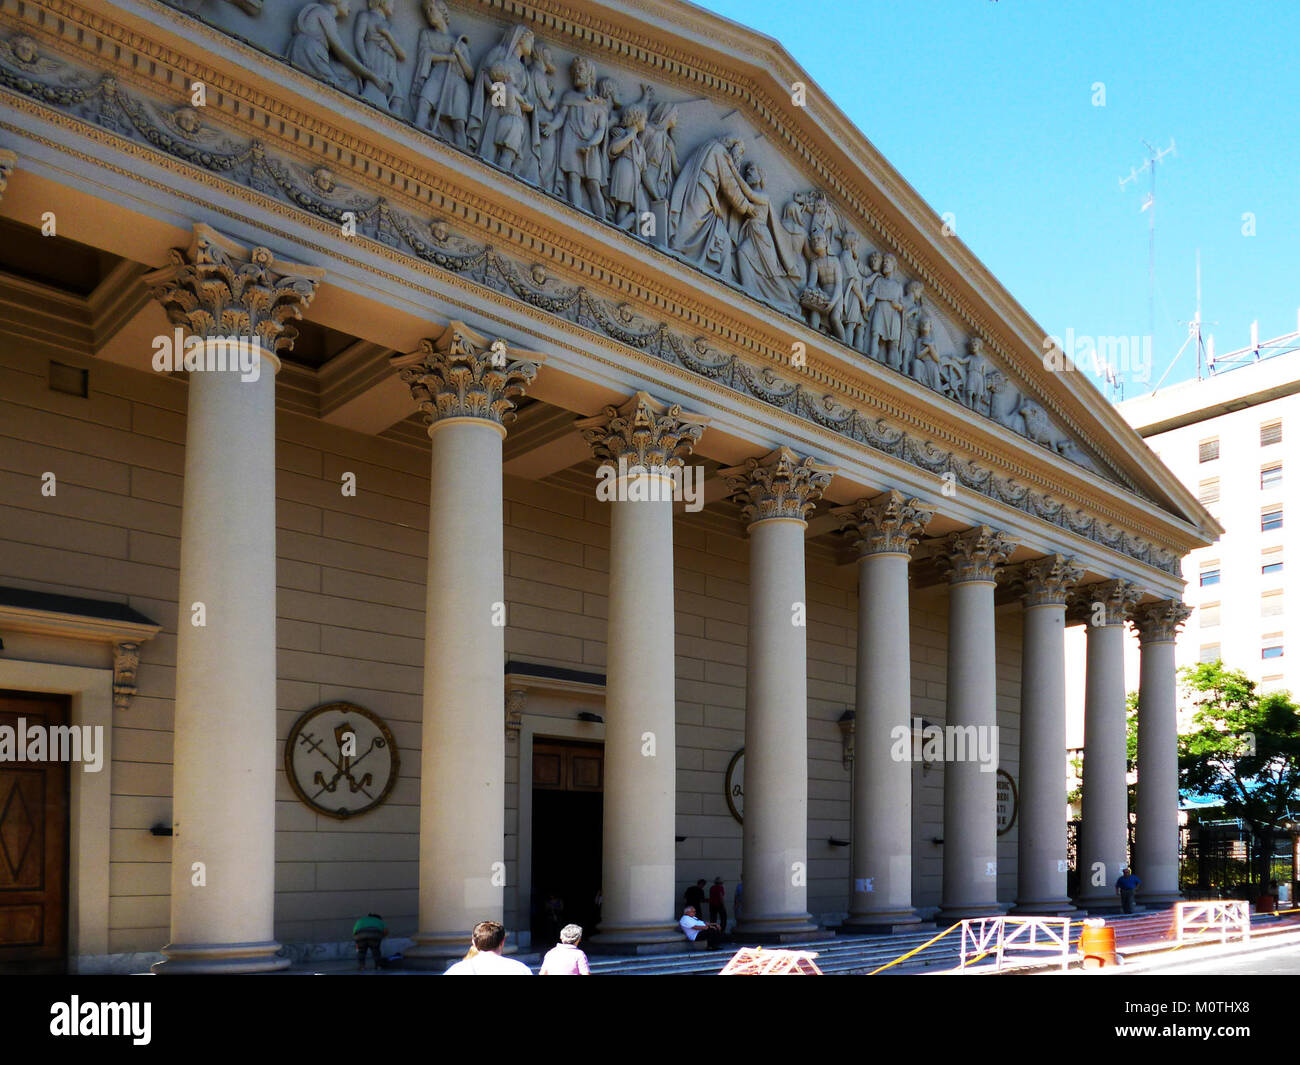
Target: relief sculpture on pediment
{"points": [[676, 173]]}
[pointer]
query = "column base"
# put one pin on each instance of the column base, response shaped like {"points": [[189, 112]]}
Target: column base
{"points": [[957, 911], [1159, 900], [215, 958], [635, 937], [881, 921], [1045, 908], [1099, 904], [777, 928]]}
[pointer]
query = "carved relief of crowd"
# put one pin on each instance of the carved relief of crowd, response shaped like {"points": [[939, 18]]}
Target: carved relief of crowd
{"points": [[576, 138]]}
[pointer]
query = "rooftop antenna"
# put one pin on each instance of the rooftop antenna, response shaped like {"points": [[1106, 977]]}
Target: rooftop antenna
{"points": [[1154, 156]]}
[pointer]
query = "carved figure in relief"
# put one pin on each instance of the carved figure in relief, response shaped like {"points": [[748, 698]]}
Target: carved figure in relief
{"points": [[512, 54], [627, 196], [710, 198], [913, 312], [885, 306], [925, 367], [539, 168], [316, 45], [854, 304], [379, 50], [443, 73], [511, 131], [581, 121], [822, 217], [975, 385], [766, 264], [661, 164], [1004, 401], [823, 293]]}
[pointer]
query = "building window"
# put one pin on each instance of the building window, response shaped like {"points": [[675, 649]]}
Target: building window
{"points": [[1272, 561], [1270, 433], [1209, 615], [1272, 650], [1270, 603], [1271, 684], [1209, 574], [1271, 476], [1209, 492], [1210, 449], [1270, 518], [1210, 652]]}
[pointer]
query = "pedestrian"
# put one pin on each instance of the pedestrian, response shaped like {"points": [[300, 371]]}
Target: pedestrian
{"points": [[692, 928], [717, 903], [1127, 886], [489, 940], [554, 910], [695, 895], [736, 902], [368, 934], [565, 959]]}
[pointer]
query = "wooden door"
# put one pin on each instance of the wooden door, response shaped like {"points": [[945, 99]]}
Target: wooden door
{"points": [[33, 842]]}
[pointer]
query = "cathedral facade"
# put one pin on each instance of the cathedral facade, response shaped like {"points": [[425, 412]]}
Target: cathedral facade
{"points": [[492, 460]]}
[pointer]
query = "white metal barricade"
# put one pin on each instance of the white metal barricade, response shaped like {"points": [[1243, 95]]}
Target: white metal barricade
{"points": [[1011, 935], [1216, 916]]}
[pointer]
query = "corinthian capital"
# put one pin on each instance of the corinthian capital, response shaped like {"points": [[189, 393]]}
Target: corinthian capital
{"points": [[461, 374], [217, 288], [1159, 622], [888, 524], [1047, 581], [1106, 603], [779, 485], [8, 160], [975, 555], [642, 433]]}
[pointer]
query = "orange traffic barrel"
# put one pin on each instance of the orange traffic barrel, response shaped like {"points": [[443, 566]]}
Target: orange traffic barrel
{"points": [[1097, 945]]}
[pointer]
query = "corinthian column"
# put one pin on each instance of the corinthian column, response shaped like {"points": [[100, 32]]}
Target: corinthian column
{"points": [[640, 444], [884, 531], [776, 493], [236, 307], [970, 821], [1155, 846], [466, 389], [1041, 869], [1103, 833]]}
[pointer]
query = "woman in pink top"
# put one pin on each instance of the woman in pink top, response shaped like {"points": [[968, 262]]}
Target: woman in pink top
{"points": [[565, 959]]}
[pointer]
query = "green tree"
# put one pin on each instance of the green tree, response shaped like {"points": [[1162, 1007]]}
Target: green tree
{"points": [[1245, 749]]}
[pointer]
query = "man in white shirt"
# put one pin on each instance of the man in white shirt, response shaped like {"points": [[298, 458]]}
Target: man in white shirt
{"points": [[489, 940], [692, 927]]}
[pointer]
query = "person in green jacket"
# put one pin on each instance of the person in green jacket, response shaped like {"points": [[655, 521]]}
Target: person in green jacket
{"points": [[368, 933]]}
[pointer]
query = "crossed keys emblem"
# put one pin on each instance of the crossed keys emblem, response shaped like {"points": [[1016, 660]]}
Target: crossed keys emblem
{"points": [[327, 770], [346, 762]]}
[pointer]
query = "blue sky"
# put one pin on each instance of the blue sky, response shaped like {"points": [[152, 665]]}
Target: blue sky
{"points": [[986, 108]]}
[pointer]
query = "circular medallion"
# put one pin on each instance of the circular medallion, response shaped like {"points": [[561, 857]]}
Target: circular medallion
{"points": [[735, 785], [341, 760], [1008, 802]]}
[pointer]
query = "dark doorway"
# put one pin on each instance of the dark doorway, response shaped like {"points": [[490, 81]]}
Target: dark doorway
{"points": [[33, 844], [568, 802]]}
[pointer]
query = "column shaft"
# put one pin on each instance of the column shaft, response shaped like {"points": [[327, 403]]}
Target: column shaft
{"points": [[776, 734], [223, 843], [640, 723], [462, 757], [1041, 871], [1155, 858], [880, 893], [1103, 834], [970, 829]]}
